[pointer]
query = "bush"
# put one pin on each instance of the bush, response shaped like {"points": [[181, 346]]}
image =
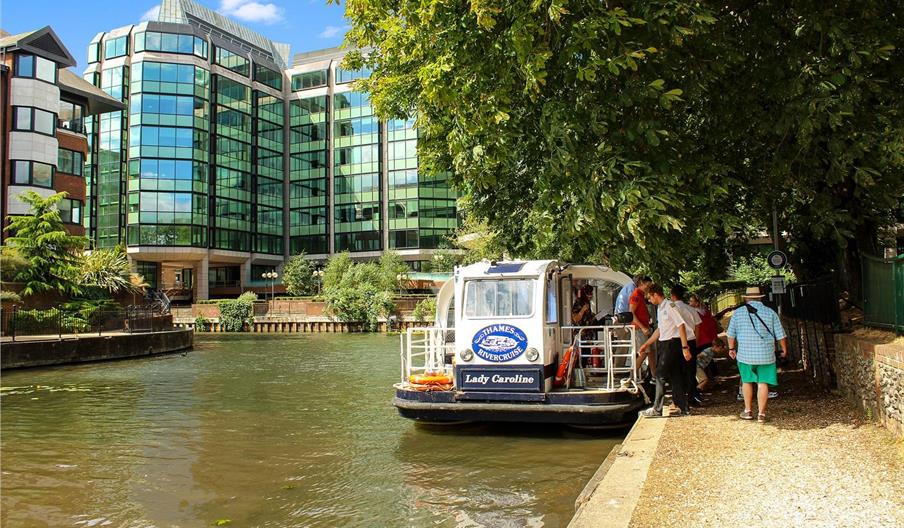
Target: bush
{"points": [[234, 314], [425, 310], [298, 276], [201, 324], [755, 270], [9, 297], [11, 263], [37, 321]]}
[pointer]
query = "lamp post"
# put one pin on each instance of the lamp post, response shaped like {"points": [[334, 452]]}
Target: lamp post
{"points": [[318, 276], [272, 275]]}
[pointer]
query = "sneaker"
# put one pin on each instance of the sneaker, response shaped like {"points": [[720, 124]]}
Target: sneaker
{"points": [[773, 394], [746, 415], [740, 397], [761, 418], [651, 413], [696, 401], [679, 413]]}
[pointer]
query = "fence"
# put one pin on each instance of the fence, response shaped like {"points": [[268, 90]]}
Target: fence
{"points": [[883, 292], [52, 323]]}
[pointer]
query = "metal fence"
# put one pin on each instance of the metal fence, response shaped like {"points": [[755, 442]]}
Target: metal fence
{"points": [[55, 323], [883, 292]]}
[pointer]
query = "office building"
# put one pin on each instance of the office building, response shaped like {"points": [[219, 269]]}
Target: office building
{"points": [[227, 161], [45, 105]]}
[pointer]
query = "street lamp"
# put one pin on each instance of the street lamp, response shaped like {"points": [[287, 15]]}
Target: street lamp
{"points": [[318, 276], [272, 275]]}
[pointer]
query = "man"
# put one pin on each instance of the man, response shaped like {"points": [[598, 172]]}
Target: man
{"points": [[637, 305], [690, 315], [673, 351], [752, 334], [622, 301]]}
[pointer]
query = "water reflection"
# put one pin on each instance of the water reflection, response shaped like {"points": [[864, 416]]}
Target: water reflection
{"points": [[269, 431]]}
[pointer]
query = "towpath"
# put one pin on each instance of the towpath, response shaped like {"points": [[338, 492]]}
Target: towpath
{"points": [[816, 463]]}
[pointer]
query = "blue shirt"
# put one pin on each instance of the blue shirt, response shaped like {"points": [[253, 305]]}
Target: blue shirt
{"points": [[621, 302], [756, 345]]}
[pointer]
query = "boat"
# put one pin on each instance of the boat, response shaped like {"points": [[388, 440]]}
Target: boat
{"points": [[502, 333]]}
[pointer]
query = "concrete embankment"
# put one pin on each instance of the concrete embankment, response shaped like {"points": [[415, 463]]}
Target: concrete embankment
{"points": [[608, 500], [34, 352]]}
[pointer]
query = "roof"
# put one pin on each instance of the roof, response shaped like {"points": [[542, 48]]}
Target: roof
{"points": [[98, 102], [179, 12], [42, 42]]}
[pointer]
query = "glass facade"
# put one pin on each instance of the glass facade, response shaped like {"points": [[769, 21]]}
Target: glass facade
{"points": [[309, 153], [220, 149]]}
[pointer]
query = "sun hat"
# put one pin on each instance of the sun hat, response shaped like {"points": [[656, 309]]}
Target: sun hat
{"points": [[753, 292]]}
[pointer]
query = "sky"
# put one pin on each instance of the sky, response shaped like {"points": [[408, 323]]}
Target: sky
{"points": [[304, 24]]}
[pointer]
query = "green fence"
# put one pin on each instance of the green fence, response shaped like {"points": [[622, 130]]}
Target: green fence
{"points": [[883, 292]]}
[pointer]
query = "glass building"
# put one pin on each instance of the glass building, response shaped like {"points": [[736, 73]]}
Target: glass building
{"points": [[227, 161]]}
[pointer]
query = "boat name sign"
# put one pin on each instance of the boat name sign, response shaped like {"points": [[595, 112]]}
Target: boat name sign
{"points": [[499, 343]]}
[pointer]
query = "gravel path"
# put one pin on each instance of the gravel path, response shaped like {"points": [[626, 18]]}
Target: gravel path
{"points": [[817, 463]]}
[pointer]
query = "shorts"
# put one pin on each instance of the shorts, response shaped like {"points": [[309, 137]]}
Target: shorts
{"points": [[758, 373], [701, 376], [704, 357]]}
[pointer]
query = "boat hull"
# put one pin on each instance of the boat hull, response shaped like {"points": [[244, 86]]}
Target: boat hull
{"points": [[592, 408]]}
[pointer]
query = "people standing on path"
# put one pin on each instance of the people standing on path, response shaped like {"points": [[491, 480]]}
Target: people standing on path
{"points": [[674, 350], [624, 294], [689, 315], [637, 305], [752, 334]]}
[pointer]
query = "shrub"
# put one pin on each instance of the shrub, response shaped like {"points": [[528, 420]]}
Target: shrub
{"points": [[755, 270], [425, 310], [298, 276], [11, 264], [9, 297], [37, 321], [201, 324], [234, 314]]}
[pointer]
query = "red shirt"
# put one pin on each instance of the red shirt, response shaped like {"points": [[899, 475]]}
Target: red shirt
{"points": [[639, 303], [709, 328]]}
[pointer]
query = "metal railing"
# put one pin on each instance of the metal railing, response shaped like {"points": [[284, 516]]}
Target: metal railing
{"points": [[610, 353], [424, 350], [883, 292], [55, 323]]}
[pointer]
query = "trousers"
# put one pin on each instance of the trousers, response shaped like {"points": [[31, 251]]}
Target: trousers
{"points": [[675, 371]]}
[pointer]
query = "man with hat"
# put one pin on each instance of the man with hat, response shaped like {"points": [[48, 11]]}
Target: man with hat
{"points": [[752, 334]]}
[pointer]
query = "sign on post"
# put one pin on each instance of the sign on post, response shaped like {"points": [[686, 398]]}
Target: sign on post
{"points": [[777, 260], [778, 285]]}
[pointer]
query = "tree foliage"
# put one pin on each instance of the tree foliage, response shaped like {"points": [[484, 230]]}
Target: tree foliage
{"points": [[648, 132], [53, 255], [108, 269], [298, 276], [362, 292]]}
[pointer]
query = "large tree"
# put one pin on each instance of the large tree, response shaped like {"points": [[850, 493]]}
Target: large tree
{"points": [[648, 132]]}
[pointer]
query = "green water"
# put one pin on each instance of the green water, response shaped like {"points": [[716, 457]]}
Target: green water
{"points": [[265, 430]]}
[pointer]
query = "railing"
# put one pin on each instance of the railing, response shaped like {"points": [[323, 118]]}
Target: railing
{"points": [[424, 350], [55, 323], [883, 292], [610, 352]]}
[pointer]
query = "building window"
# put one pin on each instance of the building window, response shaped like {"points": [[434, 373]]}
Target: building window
{"points": [[70, 162], [149, 272], [70, 211], [314, 79], [271, 78], [346, 76], [71, 117], [93, 52], [32, 173], [34, 67], [223, 276], [30, 119], [232, 61], [116, 47], [171, 43]]}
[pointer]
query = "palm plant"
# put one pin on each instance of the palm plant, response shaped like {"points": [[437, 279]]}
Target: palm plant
{"points": [[108, 270]]}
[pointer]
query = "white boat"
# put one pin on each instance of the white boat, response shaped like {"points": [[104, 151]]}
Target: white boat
{"points": [[500, 338]]}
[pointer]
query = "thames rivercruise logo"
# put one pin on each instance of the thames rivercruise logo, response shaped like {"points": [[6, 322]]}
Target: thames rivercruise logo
{"points": [[499, 343]]}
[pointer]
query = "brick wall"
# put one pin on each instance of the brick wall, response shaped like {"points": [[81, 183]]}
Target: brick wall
{"points": [[870, 373]]}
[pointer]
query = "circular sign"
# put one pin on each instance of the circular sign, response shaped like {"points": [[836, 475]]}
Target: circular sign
{"points": [[499, 342], [777, 259]]}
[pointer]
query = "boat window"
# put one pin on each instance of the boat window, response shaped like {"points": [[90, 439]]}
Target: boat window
{"points": [[552, 302], [499, 298]]}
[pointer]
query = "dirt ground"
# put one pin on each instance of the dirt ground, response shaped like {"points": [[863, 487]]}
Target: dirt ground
{"points": [[818, 462]]}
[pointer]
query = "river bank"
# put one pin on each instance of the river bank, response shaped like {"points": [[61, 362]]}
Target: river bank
{"points": [[817, 462]]}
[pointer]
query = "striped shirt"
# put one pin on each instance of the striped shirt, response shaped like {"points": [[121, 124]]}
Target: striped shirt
{"points": [[756, 341]]}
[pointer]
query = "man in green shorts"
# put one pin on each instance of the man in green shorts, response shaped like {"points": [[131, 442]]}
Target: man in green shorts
{"points": [[752, 334]]}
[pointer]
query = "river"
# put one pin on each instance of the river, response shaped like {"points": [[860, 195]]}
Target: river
{"points": [[269, 430]]}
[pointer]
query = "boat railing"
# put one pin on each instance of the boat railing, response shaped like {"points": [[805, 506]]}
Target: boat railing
{"points": [[609, 351], [425, 349]]}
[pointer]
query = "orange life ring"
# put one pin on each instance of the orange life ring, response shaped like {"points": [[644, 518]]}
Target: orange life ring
{"points": [[427, 388], [562, 371], [430, 379]]}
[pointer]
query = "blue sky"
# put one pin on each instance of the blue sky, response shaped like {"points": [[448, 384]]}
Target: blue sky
{"points": [[304, 24]]}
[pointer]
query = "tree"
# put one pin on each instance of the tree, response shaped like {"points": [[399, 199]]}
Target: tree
{"points": [[298, 276], [52, 253], [11, 264], [108, 269], [649, 132], [392, 268]]}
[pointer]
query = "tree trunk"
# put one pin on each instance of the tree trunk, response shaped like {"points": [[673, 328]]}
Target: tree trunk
{"points": [[865, 241]]}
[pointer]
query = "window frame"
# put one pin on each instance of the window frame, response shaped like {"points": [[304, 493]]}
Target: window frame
{"points": [[33, 111], [31, 173], [80, 165], [469, 293], [34, 68], [81, 207]]}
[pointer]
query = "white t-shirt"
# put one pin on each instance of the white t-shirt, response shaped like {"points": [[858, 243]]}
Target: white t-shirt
{"points": [[671, 315]]}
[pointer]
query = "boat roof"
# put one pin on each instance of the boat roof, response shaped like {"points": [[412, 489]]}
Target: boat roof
{"points": [[537, 268]]}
